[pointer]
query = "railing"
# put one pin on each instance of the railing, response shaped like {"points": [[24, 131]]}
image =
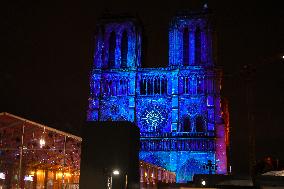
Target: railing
{"points": [[209, 134], [180, 144]]}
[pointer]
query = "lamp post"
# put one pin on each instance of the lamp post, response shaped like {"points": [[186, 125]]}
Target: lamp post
{"points": [[114, 172]]}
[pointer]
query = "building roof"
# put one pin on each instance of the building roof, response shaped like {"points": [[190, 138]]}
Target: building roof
{"points": [[8, 120], [37, 146]]}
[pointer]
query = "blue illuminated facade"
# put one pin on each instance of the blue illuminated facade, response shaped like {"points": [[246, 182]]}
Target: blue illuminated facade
{"points": [[177, 108]]}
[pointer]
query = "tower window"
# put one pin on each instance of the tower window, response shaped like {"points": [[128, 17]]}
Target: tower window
{"points": [[111, 53], [103, 56], [197, 46], [185, 47], [200, 85], [124, 49], [210, 85]]}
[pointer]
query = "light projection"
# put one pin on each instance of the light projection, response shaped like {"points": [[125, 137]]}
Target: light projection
{"points": [[153, 118], [184, 163], [153, 115], [177, 108]]}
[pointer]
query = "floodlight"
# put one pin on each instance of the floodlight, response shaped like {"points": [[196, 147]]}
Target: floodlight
{"points": [[115, 172]]}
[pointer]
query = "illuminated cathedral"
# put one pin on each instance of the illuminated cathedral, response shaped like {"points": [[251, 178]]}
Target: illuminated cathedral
{"points": [[178, 108]]}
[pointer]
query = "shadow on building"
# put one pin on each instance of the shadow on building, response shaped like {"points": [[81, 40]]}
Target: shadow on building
{"points": [[108, 147]]}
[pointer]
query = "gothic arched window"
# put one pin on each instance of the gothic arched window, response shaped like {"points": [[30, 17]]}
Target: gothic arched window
{"points": [[199, 123], [185, 47], [186, 124], [103, 57], [111, 52], [150, 86], [164, 86], [143, 87], [200, 85], [157, 86], [186, 85], [124, 49], [123, 85], [197, 45], [153, 86]]}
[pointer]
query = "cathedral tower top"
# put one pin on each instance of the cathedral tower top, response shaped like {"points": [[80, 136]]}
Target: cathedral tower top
{"points": [[117, 43], [190, 39]]}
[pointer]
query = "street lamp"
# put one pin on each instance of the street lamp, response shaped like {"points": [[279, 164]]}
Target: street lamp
{"points": [[115, 172]]}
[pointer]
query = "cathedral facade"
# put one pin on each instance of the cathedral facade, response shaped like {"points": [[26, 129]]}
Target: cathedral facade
{"points": [[177, 108]]}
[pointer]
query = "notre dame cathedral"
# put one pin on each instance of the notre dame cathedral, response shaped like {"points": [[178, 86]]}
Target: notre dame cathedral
{"points": [[178, 108]]}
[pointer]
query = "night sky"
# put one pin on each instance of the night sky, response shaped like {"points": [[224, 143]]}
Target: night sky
{"points": [[47, 54]]}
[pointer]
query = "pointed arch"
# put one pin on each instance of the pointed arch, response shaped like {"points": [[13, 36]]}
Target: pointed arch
{"points": [[186, 124], [185, 46], [199, 123], [111, 51], [124, 49]]}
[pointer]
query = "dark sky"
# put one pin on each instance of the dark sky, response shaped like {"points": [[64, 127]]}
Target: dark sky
{"points": [[47, 53]]}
